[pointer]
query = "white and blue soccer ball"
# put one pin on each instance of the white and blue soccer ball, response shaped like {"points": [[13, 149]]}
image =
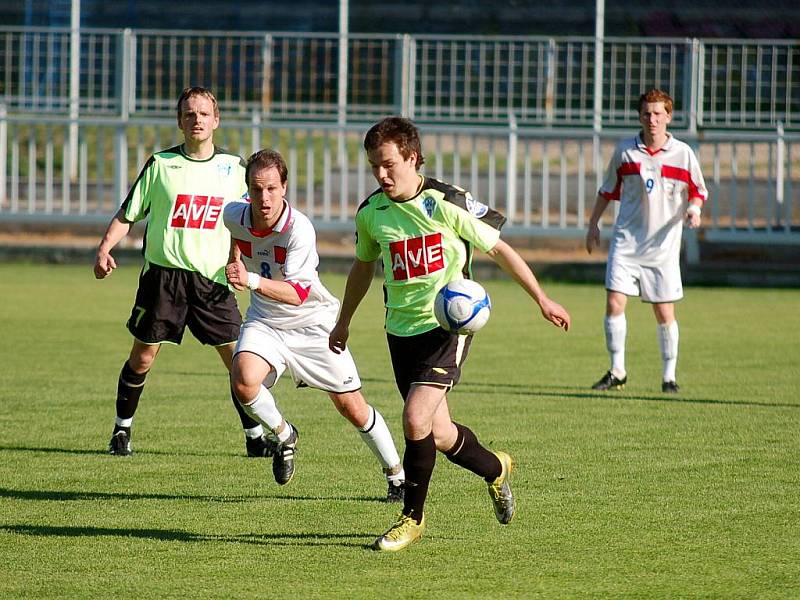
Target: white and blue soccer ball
{"points": [[462, 306]]}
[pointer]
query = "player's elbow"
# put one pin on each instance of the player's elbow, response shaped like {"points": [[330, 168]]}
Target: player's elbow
{"points": [[294, 301]]}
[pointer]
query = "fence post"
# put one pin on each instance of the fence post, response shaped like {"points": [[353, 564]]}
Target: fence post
{"points": [[3, 153], [511, 169], [404, 80], [343, 75], [779, 175], [125, 75], [74, 86], [690, 84], [255, 132], [121, 163], [266, 74], [550, 85]]}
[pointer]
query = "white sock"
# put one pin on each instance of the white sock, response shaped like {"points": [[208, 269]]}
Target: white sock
{"points": [[123, 422], [264, 410], [616, 328], [668, 342], [254, 432], [376, 435]]}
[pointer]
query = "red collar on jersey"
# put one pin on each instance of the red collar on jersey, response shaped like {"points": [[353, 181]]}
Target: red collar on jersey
{"points": [[281, 225], [643, 146]]}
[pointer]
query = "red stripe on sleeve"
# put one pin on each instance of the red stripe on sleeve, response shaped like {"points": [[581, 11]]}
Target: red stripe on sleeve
{"points": [[685, 176], [625, 169], [245, 247], [629, 168], [302, 292]]}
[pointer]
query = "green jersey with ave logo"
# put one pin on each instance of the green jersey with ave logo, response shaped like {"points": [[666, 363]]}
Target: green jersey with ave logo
{"points": [[183, 199], [424, 242]]}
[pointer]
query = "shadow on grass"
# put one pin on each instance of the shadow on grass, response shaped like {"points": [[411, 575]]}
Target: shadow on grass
{"points": [[65, 496], [521, 389], [177, 535], [104, 452], [582, 393]]}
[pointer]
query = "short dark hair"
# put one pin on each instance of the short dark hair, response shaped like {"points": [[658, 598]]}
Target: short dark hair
{"points": [[265, 159], [398, 130], [656, 95], [191, 92]]}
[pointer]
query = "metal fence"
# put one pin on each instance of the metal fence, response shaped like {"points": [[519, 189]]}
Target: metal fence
{"points": [[543, 180], [535, 81], [509, 118]]}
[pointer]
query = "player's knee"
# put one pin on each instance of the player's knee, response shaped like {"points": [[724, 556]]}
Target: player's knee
{"points": [[244, 385], [416, 423], [352, 406], [141, 362]]}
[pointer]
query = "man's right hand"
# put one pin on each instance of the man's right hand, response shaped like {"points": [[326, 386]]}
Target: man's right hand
{"points": [[236, 274], [592, 237], [104, 263], [337, 341]]}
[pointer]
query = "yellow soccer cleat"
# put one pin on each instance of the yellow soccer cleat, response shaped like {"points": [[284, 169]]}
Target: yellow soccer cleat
{"points": [[404, 532], [500, 490]]}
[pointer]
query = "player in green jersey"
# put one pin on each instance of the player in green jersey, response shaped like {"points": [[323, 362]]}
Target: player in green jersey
{"points": [[425, 230], [183, 191]]}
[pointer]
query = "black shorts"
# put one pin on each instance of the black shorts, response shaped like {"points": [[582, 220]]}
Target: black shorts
{"points": [[433, 357], [170, 299]]}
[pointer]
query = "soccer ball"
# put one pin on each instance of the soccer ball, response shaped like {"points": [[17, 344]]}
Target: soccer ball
{"points": [[462, 306]]}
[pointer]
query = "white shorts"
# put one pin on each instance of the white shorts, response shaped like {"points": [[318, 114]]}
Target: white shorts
{"points": [[304, 351], [654, 284]]}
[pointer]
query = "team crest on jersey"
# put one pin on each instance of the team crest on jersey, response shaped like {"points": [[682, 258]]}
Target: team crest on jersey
{"points": [[224, 170], [429, 204], [475, 208]]}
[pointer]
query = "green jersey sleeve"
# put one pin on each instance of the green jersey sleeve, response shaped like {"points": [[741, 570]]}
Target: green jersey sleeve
{"points": [[137, 202], [367, 247]]}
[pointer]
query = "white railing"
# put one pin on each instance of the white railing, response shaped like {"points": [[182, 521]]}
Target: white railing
{"points": [[543, 179]]}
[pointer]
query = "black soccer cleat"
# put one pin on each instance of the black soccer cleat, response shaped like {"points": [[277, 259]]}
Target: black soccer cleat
{"points": [[670, 387], [283, 459], [261, 447], [396, 492], [609, 381], [120, 444]]}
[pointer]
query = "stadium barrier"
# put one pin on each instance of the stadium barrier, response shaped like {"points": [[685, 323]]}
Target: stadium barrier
{"points": [[543, 179]]}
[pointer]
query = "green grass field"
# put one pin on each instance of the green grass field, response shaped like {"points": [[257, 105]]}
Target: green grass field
{"points": [[624, 495]]}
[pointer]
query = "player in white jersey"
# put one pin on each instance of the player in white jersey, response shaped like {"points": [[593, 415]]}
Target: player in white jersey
{"points": [[659, 186], [273, 253]]}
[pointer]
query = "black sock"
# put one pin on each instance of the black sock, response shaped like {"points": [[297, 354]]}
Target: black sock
{"points": [[129, 389], [418, 461], [247, 421], [468, 453]]}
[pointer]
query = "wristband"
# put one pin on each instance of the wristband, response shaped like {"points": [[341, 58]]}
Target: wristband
{"points": [[694, 209], [253, 281]]}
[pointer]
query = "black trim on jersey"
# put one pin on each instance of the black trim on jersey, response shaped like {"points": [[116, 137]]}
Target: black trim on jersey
{"points": [[147, 164], [365, 203], [458, 197], [452, 194]]}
